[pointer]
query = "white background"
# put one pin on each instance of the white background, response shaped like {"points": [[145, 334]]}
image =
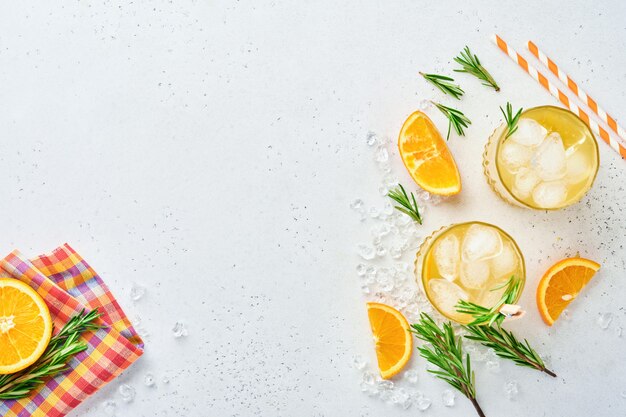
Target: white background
{"points": [[209, 151]]}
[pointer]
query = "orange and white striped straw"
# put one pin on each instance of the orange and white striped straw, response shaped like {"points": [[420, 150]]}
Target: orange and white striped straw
{"points": [[560, 95], [575, 88]]}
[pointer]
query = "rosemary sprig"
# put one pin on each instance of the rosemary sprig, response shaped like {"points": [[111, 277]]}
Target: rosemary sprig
{"points": [[62, 347], [445, 84], [511, 119], [471, 64], [487, 329], [407, 205], [456, 118], [446, 353], [507, 346], [492, 315]]}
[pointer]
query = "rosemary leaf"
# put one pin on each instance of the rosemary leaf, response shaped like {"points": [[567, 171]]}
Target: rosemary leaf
{"points": [[62, 347], [510, 118], [492, 315], [487, 329], [407, 205], [471, 64], [456, 119], [507, 346], [445, 84], [446, 353]]}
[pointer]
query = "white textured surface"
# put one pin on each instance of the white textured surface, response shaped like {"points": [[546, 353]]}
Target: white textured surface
{"points": [[210, 150]]}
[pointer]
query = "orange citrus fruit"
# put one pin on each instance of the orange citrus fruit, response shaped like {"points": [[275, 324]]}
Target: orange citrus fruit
{"points": [[561, 284], [393, 339], [25, 326], [427, 157]]}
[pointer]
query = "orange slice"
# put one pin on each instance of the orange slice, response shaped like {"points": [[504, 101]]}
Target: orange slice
{"points": [[393, 339], [561, 284], [25, 326], [427, 157]]}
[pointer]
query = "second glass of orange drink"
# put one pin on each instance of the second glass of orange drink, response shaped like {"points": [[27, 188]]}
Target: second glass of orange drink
{"points": [[467, 261]]}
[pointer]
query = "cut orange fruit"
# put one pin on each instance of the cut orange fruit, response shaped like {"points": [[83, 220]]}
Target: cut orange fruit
{"points": [[427, 157], [393, 339], [561, 284], [25, 326]]}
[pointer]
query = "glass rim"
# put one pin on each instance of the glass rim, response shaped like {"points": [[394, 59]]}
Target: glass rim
{"points": [[582, 194], [437, 234]]}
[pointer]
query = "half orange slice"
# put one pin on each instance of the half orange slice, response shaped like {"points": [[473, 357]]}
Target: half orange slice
{"points": [[427, 157], [25, 326], [392, 337], [561, 284]]}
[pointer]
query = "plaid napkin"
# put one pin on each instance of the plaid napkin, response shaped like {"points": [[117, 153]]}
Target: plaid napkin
{"points": [[69, 285]]}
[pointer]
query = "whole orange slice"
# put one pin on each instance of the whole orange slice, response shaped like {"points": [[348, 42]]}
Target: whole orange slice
{"points": [[393, 339], [561, 284], [427, 157], [25, 326]]}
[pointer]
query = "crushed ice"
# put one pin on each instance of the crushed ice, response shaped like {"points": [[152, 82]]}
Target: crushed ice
{"points": [[421, 402], [604, 320], [411, 375], [511, 390], [448, 398], [385, 272], [179, 330], [127, 393], [359, 362], [149, 380], [109, 407], [137, 292]]}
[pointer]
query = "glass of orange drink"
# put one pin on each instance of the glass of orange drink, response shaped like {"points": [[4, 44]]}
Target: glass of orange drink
{"points": [[467, 261], [548, 163]]}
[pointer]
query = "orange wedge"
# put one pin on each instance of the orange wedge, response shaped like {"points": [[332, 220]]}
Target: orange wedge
{"points": [[427, 157], [25, 326], [561, 284], [393, 339]]}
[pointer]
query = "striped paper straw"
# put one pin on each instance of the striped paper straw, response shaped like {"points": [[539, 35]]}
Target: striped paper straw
{"points": [[573, 86], [560, 95]]}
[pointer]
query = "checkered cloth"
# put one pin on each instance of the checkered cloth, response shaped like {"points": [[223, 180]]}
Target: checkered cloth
{"points": [[68, 285]]}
